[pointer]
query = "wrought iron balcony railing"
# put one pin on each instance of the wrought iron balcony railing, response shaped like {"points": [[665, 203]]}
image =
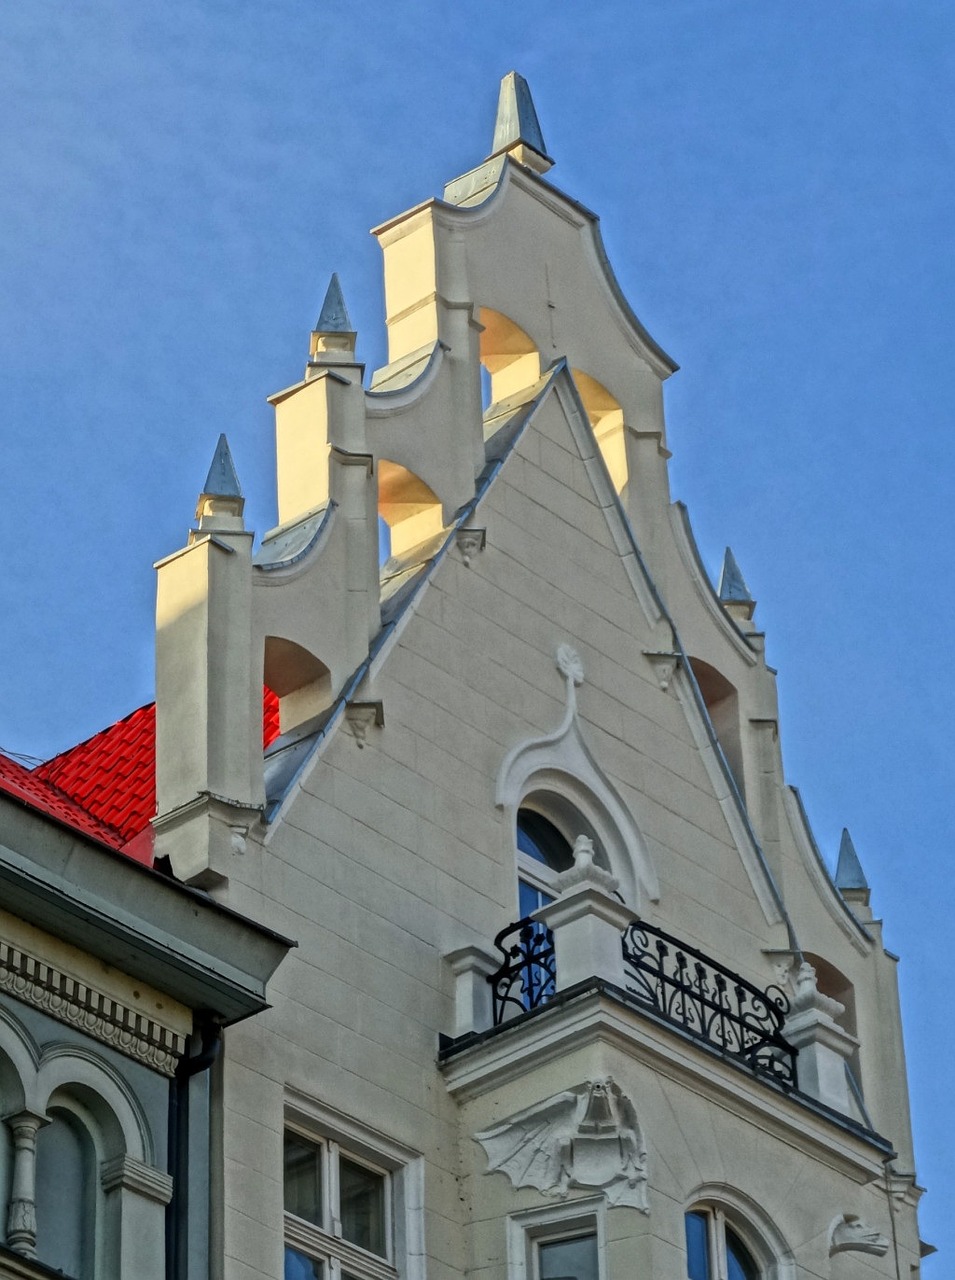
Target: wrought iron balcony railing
{"points": [[528, 977], [666, 976], [709, 1002]]}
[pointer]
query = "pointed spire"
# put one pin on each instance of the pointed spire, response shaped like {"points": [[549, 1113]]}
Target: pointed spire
{"points": [[334, 313], [733, 591], [221, 502], [850, 878], [222, 481], [517, 130], [333, 338]]}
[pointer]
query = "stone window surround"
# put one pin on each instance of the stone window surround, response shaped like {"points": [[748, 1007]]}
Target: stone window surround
{"points": [[725, 1207], [404, 1169], [525, 1230]]}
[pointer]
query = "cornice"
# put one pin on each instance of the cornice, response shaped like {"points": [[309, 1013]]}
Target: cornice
{"points": [[77, 1004]]}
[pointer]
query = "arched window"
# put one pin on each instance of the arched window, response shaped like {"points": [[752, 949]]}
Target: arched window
{"points": [[715, 1250]]}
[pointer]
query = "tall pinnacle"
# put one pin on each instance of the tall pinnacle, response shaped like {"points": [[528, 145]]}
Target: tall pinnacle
{"points": [[733, 591], [849, 873], [517, 130], [222, 481], [333, 339], [221, 503], [334, 313]]}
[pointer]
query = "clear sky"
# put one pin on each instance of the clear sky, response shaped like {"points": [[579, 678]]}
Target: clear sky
{"points": [[777, 193]]}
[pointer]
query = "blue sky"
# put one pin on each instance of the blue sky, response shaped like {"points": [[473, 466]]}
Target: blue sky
{"points": [[776, 189]]}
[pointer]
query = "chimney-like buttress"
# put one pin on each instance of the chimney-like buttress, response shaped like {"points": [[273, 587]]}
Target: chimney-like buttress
{"points": [[209, 786]]}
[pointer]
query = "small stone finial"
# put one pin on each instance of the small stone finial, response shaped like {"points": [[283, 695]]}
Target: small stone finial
{"points": [[333, 334], [850, 878], [733, 591], [517, 131], [221, 494]]}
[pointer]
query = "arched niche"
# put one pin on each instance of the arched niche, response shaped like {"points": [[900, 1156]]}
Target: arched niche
{"points": [[300, 680], [606, 418], [411, 510], [508, 354], [722, 705]]}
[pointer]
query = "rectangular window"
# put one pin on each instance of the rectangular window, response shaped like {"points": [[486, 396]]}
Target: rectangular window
{"points": [[337, 1213]]}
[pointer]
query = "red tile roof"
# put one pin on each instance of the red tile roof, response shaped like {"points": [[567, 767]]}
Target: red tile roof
{"points": [[105, 787], [23, 784]]}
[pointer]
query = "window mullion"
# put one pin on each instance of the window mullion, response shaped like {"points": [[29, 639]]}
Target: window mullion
{"points": [[718, 1244], [333, 1182]]}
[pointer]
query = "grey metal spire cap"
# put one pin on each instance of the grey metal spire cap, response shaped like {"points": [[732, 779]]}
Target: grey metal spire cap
{"points": [[516, 118], [334, 315], [733, 588], [849, 873], [222, 481]]}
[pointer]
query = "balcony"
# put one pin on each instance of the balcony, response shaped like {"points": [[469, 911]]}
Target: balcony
{"points": [[668, 979]]}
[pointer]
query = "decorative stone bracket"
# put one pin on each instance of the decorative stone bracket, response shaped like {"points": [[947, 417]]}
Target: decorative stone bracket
{"points": [[587, 1137], [470, 542], [361, 716], [850, 1234]]}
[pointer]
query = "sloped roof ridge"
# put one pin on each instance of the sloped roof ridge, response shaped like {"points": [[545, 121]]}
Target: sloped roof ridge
{"points": [[47, 767]]}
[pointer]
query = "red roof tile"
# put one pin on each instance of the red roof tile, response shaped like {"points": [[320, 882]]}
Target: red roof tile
{"points": [[106, 786]]}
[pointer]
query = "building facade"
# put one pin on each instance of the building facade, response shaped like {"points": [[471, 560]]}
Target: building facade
{"points": [[574, 994]]}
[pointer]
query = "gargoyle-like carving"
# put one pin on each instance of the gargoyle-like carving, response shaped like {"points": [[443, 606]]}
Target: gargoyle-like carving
{"points": [[587, 1137], [850, 1233]]}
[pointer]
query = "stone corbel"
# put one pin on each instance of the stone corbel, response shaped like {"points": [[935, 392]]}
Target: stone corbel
{"points": [[361, 716], [849, 1234], [664, 665], [469, 542]]}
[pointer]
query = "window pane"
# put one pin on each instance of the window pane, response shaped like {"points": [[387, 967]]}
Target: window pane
{"points": [[363, 1206], [697, 1247], [541, 840], [298, 1267], [529, 898], [65, 1158], [739, 1260], [568, 1259], [303, 1179]]}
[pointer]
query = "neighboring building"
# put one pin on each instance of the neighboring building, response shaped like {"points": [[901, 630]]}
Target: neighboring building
{"points": [[574, 994]]}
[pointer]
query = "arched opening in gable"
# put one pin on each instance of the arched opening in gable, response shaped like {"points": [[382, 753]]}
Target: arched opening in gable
{"points": [[300, 680], [409, 508], [722, 704], [606, 419], [509, 355]]}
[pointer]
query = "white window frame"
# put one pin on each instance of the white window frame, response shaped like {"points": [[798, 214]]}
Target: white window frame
{"points": [[556, 1222], [337, 1135]]}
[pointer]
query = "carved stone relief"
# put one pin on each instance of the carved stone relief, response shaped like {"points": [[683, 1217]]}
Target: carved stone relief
{"points": [[587, 1138], [851, 1234]]}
